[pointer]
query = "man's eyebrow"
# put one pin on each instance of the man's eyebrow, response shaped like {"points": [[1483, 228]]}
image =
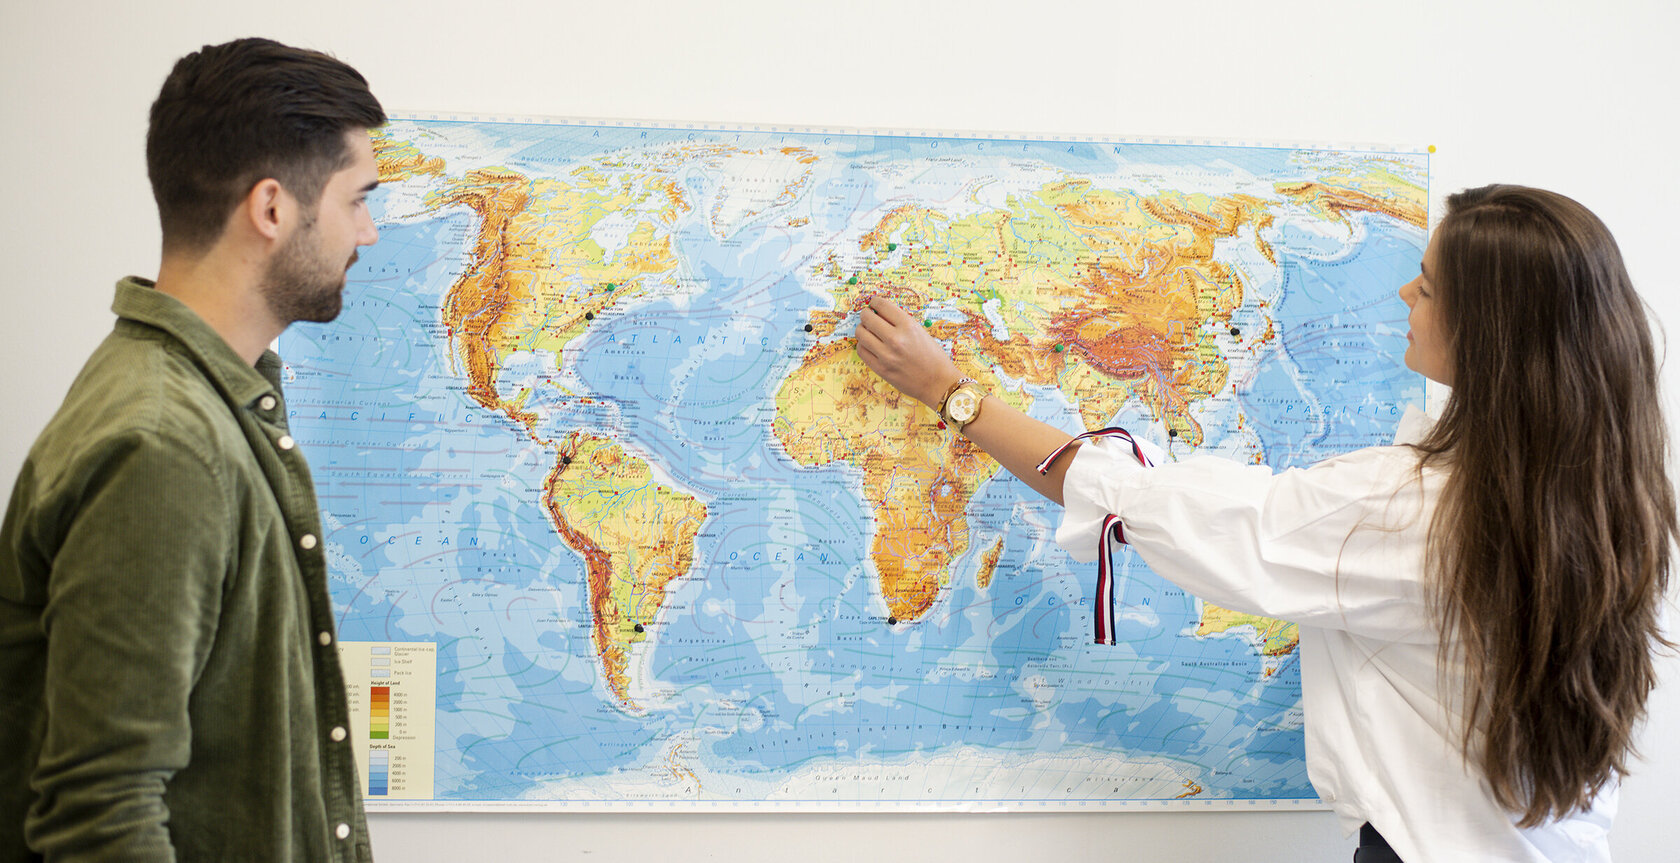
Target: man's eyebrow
{"points": [[370, 187]]}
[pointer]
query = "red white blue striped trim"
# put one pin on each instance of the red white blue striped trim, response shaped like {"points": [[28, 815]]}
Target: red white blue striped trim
{"points": [[1102, 618], [1112, 532], [1112, 431]]}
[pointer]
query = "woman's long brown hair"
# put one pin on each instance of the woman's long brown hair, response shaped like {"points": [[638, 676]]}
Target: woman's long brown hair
{"points": [[1549, 549]]}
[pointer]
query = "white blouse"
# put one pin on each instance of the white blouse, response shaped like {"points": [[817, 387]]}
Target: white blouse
{"points": [[1339, 549]]}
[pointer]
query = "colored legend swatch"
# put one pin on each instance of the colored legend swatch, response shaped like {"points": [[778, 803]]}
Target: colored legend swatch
{"points": [[391, 687], [379, 773], [379, 713]]}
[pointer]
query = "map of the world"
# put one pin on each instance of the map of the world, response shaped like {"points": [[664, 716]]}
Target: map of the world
{"points": [[592, 429]]}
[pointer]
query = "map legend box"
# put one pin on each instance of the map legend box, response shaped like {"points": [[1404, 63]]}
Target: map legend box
{"points": [[392, 688]]}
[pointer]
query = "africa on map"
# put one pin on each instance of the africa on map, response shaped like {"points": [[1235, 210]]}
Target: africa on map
{"points": [[593, 424]]}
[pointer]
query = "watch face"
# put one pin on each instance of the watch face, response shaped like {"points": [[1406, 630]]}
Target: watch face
{"points": [[964, 405]]}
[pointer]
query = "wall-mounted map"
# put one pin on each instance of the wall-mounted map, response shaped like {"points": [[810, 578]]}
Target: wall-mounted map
{"points": [[593, 424]]}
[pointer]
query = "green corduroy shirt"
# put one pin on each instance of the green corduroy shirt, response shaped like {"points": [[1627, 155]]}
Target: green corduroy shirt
{"points": [[169, 678]]}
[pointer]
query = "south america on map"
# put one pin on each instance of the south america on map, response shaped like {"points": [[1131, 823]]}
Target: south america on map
{"points": [[593, 423]]}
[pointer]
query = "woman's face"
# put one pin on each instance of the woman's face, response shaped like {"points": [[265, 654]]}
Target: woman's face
{"points": [[1427, 351]]}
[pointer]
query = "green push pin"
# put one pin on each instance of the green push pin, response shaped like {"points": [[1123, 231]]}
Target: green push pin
{"points": [[611, 287], [1060, 348], [852, 280], [892, 247], [928, 322]]}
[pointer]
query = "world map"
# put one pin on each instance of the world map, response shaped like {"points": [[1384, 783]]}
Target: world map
{"points": [[592, 422]]}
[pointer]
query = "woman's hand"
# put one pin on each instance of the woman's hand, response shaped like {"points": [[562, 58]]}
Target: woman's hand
{"points": [[900, 350]]}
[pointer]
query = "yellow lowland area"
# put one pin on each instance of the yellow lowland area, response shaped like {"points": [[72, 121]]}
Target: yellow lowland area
{"points": [[988, 564], [538, 277], [1106, 294], [1103, 293], [1273, 637], [401, 160], [919, 478], [1377, 191], [634, 534]]}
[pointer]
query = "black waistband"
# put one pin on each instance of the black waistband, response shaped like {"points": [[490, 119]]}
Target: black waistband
{"points": [[1373, 848]]}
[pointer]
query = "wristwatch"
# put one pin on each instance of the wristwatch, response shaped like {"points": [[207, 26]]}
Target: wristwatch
{"points": [[962, 403]]}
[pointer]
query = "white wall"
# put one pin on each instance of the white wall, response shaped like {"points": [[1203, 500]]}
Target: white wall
{"points": [[1576, 96]]}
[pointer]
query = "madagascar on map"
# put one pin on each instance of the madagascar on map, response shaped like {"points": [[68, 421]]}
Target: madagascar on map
{"points": [[593, 424]]}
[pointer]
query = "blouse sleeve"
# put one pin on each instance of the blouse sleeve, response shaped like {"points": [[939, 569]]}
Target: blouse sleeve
{"points": [[1338, 545]]}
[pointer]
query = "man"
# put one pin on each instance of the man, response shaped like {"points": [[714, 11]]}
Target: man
{"points": [[169, 678]]}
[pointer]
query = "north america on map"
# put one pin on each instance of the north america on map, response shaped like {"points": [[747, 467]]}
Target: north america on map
{"points": [[593, 423]]}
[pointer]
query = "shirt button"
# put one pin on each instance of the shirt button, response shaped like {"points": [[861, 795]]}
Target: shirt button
{"points": [[338, 734], [307, 541], [343, 831], [286, 442], [267, 403], [325, 638]]}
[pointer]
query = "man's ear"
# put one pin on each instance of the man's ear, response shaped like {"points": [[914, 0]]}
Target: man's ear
{"points": [[265, 208]]}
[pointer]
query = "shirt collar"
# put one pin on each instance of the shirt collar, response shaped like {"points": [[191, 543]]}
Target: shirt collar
{"points": [[1414, 426], [139, 300]]}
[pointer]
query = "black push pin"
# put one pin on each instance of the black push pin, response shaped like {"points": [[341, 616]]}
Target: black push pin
{"points": [[1235, 331], [809, 328], [892, 621], [1172, 432], [639, 628]]}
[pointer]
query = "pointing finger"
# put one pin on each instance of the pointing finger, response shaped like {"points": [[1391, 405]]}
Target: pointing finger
{"points": [[889, 311]]}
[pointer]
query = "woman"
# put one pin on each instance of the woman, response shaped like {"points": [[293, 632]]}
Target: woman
{"points": [[1477, 603]]}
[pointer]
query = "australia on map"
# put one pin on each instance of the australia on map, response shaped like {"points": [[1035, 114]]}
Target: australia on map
{"points": [[593, 424]]}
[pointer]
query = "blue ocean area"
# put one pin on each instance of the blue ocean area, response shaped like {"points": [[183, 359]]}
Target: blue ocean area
{"points": [[775, 655], [1336, 380]]}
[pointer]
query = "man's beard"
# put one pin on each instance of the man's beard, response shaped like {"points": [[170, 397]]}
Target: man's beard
{"points": [[299, 285]]}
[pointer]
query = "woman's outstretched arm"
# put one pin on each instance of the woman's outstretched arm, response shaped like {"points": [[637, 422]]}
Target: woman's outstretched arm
{"points": [[900, 350]]}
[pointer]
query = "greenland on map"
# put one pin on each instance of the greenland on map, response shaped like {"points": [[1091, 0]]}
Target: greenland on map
{"points": [[592, 423]]}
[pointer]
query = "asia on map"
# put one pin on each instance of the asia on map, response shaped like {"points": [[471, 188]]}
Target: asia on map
{"points": [[593, 430]]}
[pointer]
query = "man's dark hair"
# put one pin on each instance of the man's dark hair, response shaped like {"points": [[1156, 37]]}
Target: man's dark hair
{"points": [[232, 115]]}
